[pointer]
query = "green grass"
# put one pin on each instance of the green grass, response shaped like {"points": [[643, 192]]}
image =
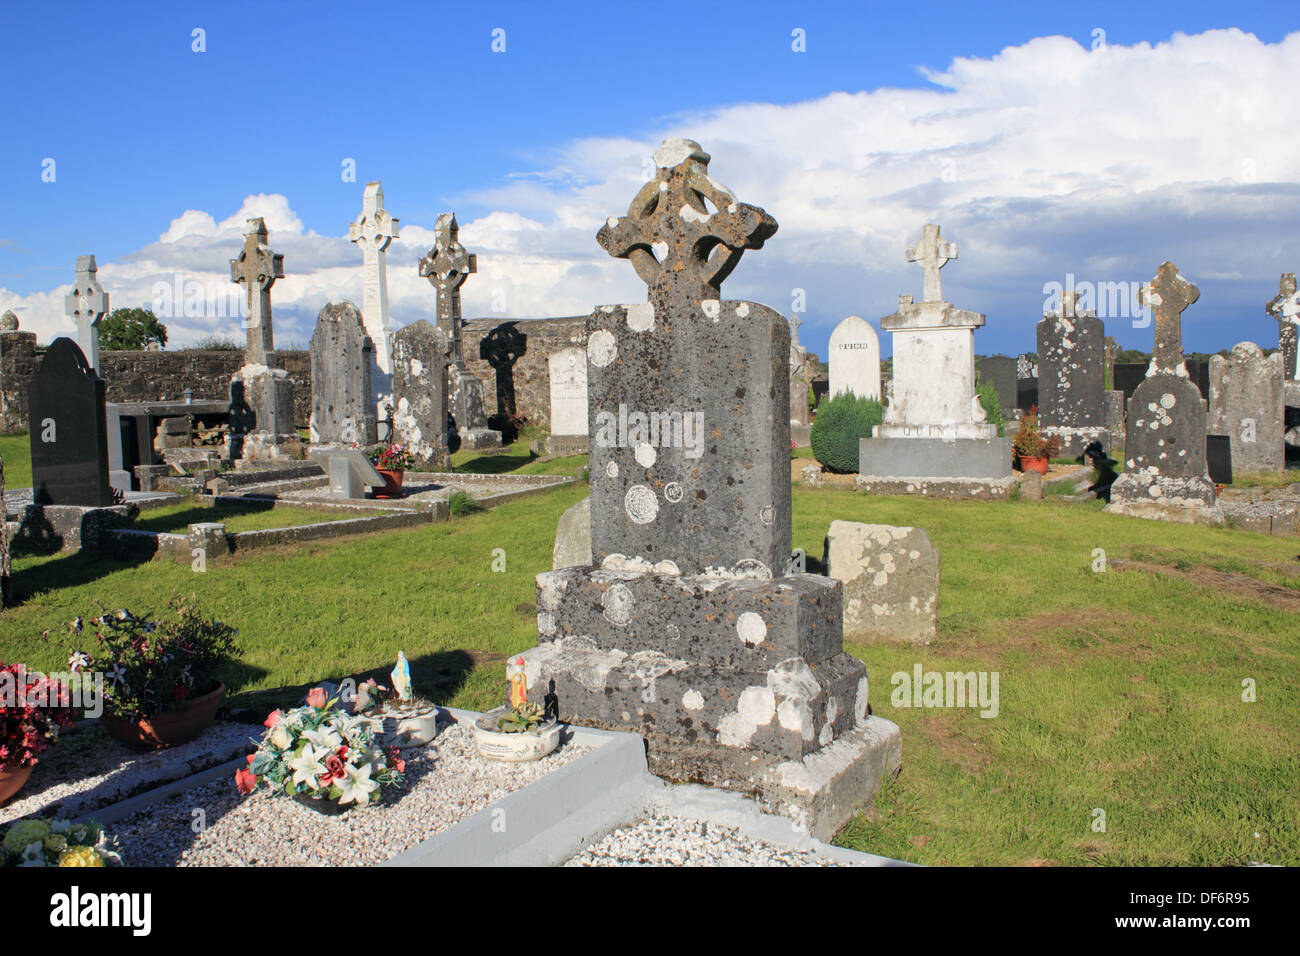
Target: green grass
{"points": [[17, 454], [1264, 479], [1119, 690], [241, 516]]}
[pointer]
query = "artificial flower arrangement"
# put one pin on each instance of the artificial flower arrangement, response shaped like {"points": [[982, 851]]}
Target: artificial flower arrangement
{"points": [[1029, 440], [155, 666], [32, 709], [55, 842], [394, 457], [321, 754]]}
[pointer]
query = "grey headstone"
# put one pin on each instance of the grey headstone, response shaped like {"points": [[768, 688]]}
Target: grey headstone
{"points": [[891, 581], [420, 356], [1285, 308], [256, 269], [573, 537], [1031, 486], [341, 358], [86, 305], [1247, 405], [1071, 367], [69, 430], [349, 471]]}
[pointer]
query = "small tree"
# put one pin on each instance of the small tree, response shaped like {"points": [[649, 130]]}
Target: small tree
{"points": [[130, 330], [841, 421]]}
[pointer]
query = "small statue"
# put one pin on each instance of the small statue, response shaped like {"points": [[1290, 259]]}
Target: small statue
{"points": [[551, 705], [518, 682], [402, 678]]}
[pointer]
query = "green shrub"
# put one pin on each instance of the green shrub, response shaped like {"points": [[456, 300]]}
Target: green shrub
{"points": [[461, 503], [988, 396], [841, 421]]}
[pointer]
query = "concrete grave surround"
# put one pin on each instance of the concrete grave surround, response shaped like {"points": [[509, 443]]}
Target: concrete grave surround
{"points": [[891, 581], [935, 438], [1285, 308], [1071, 376], [342, 411], [854, 359], [1165, 475], [421, 352], [256, 269], [568, 369], [86, 305], [447, 265], [1247, 405], [688, 628]]}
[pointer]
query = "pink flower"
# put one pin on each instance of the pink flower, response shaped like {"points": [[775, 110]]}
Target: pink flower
{"points": [[245, 781], [316, 697], [334, 765], [273, 718]]}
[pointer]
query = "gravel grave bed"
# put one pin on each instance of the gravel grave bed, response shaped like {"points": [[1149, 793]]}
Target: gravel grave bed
{"points": [[445, 783], [666, 840], [88, 770]]}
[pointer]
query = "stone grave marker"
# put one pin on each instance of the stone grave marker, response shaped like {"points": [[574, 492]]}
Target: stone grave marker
{"points": [[69, 431], [421, 352], [342, 411], [1000, 372], [800, 416], [935, 439], [1165, 473], [854, 359], [1247, 404], [350, 472], [256, 269], [568, 374], [86, 305], [891, 581], [1071, 375], [687, 628], [447, 265], [373, 232], [1285, 307]]}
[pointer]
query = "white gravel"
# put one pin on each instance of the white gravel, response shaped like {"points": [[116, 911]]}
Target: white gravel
{"points": [[445, 783], [87, 769], [666, 840]]}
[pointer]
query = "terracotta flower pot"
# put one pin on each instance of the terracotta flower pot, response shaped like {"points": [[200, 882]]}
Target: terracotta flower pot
{"points": [[167, 728], [11, 781], [392, 483], [1033, 464]]}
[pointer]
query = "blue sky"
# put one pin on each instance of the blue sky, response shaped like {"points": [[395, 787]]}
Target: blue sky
{"points": [[530, 147]]}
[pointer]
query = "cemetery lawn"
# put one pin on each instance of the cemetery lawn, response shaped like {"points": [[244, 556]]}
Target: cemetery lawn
{"points": [[16, 451], [236, 516], [1119, 690]]}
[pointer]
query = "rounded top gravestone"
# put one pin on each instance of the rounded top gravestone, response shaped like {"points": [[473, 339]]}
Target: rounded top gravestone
{"points": [[855, 359], [8, 321]]}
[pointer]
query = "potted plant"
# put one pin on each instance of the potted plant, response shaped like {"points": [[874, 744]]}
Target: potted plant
{"points": [[52, 842], [163, 686], [391, 461], [520, 731], [32, 709], [1033, 449], [322, 757]]}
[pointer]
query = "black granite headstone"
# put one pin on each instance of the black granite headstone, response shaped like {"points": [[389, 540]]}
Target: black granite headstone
{"points": [[1218, 458], [69, 430], [1000, 371], [1026, 393]]}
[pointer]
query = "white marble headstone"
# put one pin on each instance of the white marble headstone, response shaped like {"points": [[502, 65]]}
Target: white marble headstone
{"points": [[855, 359], [568, 369]]}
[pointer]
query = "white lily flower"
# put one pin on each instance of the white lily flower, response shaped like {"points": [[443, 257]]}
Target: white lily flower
{"points": [[280, 738], [309, 766], [357, 785], [323, 738]]}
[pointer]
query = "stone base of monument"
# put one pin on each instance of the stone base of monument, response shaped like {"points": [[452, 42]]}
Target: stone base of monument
{"points": [[1075, 440], [957, 489], [1183, 500], [740, 683], [45, 529], [479, 439], [558, 446], [935, 457]]}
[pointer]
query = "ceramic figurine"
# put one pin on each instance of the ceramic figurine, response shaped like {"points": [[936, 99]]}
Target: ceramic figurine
{"points": [[402, 677], [518, 682]]}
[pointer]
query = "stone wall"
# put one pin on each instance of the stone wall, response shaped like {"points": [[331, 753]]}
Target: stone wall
{"points": [[512, 356], [143, 376]]}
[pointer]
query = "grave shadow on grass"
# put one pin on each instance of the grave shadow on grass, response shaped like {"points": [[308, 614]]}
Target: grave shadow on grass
{"points": [[493, 464], [67, 571], [178, 522]]}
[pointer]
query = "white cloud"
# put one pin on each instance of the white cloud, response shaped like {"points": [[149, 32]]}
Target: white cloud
{"points": [[1044, 159]]}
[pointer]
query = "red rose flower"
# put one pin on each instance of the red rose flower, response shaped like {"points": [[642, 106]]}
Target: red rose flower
{"points": [[316, 697], [334, 765], [245, 780], [273, 718]]}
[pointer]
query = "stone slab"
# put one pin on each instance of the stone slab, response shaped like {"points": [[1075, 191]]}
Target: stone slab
{"points": [[957, 489], [930, 458], [890, 577]]}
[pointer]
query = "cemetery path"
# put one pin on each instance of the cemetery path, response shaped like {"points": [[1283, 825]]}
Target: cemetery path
{"points": [[1241, 585]]}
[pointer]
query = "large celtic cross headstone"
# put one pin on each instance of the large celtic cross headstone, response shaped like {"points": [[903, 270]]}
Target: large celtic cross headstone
{"points": [[257, 268], [373, 231], [1167, 295], [933, 254], [86, 304], [447, 266], [1285, 307]]}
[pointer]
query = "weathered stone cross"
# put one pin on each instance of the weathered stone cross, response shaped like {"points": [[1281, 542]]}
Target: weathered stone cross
{"points": [[1285, 307], [795, 323], [1167, 295], [447, 266], [256, 269], [680, 248], [373, 231], [86, 305], [933, 254]]}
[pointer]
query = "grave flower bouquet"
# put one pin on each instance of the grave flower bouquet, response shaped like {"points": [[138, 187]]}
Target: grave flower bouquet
{"points": [[57, 843], [322, 754], [151, 666], [394, 457], [32, 709], [1029, 440]]}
